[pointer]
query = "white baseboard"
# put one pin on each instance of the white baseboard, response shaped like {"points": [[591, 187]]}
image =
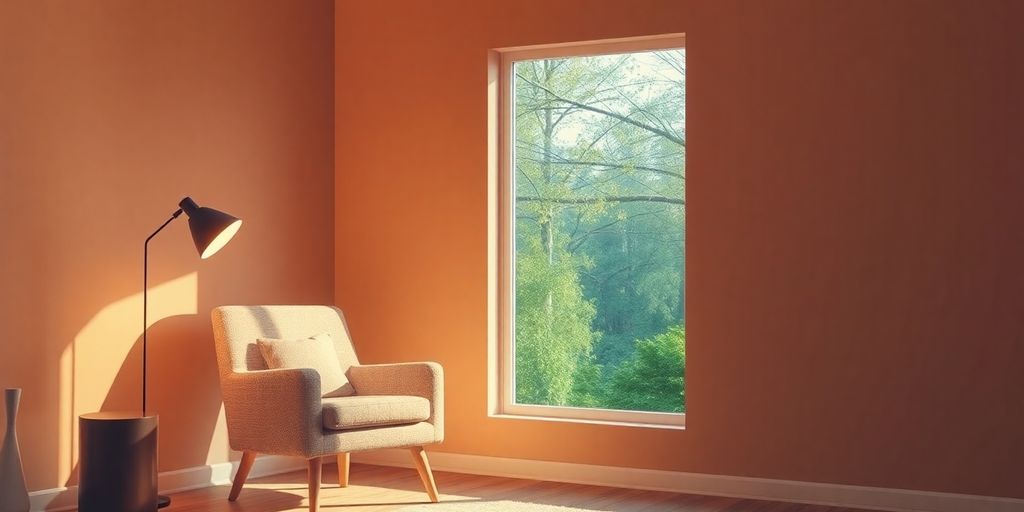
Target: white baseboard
{"points": [[66, 498], [875, 498]]}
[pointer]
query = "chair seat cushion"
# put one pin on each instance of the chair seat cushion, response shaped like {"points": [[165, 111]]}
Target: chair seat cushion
{"points": [[349, 412]]}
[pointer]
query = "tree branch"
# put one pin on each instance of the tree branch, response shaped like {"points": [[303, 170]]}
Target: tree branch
{"points": [[620, 117], [575, 242], [620, 166], [607, 199]]}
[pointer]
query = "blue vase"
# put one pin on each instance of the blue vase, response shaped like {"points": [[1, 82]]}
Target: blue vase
{"points": [[13, 492]]}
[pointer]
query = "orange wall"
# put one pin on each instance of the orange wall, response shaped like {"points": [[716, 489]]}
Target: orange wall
{"points": [[854, 240], [111, 112]]}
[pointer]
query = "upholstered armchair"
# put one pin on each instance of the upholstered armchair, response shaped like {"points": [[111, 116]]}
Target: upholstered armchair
{"points": [[281, 411]]}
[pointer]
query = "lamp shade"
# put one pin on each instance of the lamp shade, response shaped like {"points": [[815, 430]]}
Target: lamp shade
{"points": [[211, 229]]}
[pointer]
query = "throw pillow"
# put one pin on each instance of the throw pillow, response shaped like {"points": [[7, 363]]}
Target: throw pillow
{"points": [[317, 353]]}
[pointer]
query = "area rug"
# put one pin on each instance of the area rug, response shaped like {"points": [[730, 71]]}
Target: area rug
{"points": [[490, 506]]}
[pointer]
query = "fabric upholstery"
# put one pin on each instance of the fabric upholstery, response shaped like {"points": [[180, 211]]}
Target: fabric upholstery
{"points": [[316, 352], [416, 379], [238, 328], [351, 412], [281, 412]]}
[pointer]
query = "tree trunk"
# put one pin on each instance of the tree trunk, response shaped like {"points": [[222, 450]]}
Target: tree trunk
{"points": [[547, 232]]}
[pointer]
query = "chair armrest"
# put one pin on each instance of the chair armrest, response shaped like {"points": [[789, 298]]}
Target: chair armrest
{"points": [[274, 411], [416, 379]]}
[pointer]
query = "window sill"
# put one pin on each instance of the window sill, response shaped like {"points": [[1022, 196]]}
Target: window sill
{"points": [[613, 423]]}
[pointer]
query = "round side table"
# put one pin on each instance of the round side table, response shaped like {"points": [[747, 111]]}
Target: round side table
{"points": [[117, 462]]}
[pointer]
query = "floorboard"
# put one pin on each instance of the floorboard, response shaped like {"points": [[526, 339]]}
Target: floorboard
{"points": [[382, 489]]}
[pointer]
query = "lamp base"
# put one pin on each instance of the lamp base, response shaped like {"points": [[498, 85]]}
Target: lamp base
{"points": [[117, 463], [163, 501]]}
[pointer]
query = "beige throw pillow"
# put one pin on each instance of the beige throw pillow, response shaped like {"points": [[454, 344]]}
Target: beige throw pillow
{"points": [[317, 353]]}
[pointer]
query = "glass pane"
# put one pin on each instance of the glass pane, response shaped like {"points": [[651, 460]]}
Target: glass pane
{"points": [[599, 231]]}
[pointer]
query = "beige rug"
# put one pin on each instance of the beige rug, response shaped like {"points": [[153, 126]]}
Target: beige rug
{"points": [[490, 506]]}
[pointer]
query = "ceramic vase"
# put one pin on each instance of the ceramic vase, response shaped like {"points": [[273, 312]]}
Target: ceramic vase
{"points": [[13, 492]]}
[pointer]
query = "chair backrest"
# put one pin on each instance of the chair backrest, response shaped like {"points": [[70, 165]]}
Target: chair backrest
{"points": [[236, 329]]}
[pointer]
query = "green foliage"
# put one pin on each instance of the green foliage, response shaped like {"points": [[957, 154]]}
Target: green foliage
{"points": [[599, 263], [553, 333], [653, 379], [637, 277]]}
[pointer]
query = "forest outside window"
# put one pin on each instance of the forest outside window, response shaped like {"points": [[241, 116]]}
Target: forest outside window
{"points": [[592, 248]]}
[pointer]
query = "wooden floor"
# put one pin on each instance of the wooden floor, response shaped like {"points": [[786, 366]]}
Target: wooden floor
{"points": [[378, 488]]}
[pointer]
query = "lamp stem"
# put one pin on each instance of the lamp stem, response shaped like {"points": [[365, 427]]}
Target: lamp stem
{"points": [[145, 302]]}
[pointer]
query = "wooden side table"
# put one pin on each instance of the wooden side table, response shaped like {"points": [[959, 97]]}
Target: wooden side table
{"points": [[117, 469]]}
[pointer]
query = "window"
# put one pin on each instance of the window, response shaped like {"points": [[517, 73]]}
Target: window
{"points": [[590, 247]]}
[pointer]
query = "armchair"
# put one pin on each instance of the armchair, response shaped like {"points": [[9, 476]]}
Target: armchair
{"points": [[281, 412]]}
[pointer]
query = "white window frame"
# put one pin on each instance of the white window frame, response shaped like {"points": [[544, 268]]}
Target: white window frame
{"points": [[505, 382]]}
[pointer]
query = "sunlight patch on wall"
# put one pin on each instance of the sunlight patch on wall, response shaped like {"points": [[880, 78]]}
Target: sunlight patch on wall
{"points": [[219, 440], [91, 364]]}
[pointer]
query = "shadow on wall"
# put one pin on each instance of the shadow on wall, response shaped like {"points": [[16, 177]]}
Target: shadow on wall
{"points": [[102, 371]]}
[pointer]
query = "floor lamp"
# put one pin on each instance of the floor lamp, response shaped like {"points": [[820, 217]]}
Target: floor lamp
{"points": [[211, 230]]}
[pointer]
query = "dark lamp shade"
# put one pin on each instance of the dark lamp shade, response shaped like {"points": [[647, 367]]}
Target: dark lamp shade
{"points": [[211, 229]]}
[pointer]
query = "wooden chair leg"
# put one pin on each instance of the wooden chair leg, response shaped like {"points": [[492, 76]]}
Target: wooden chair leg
{"points": [[243, 472], [343, 463], [423, 468], [315, 473]]}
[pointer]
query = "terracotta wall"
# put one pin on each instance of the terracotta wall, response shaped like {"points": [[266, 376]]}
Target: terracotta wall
{"points": [[854, 241], [111, 112]]}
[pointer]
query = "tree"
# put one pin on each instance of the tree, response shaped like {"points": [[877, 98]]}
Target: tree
{"points": [[653, 379], [600, 148], [636, 278], [552, 344]]}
